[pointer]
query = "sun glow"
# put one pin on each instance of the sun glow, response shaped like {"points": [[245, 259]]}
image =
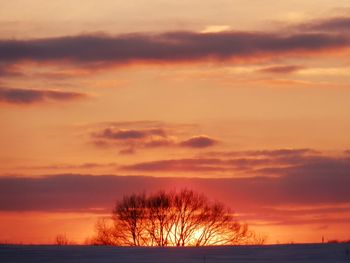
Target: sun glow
{"points": [[183, 218], [216, 29]]}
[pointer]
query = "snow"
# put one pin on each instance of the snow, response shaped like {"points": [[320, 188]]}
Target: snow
{"points": [[319, 253]]}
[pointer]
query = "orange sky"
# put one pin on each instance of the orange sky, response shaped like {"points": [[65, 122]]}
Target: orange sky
{"points": [[256, 94]]}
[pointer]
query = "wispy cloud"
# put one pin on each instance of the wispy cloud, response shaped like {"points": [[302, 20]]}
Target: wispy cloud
{"points": [[201, 141], [89, 165], [264, 153], [32, 96], [281, 69], [126, 134], [250, 163], [180, 165], [9, 71], [130, 139], [148, 137], [333, 24]]}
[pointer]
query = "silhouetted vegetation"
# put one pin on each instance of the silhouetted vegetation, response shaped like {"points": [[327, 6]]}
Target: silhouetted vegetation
{"points": [[182, 218], [336, 241], [62, 240]]}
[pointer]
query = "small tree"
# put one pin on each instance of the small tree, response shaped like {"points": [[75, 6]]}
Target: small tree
{"points": [[62, 240], [183, 218], [107, 234]]}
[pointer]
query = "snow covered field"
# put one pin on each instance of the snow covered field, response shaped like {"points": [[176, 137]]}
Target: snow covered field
{"points": [[279, 253]]}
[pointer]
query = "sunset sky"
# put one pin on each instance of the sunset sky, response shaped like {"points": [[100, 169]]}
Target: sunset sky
{"points": [[245, 101]]}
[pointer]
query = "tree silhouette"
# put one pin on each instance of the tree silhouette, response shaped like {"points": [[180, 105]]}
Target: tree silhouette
{"points": [[183, 218], [62, 240]]}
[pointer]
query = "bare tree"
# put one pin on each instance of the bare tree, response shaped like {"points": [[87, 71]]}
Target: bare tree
{"points": [[129, 217], [183, 218], [62, 240], [107, 233], [189, 210], [160, 218]]}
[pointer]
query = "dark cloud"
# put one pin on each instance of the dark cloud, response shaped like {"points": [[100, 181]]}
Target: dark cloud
{"points": [[313, 166], [32, 96], [125, 134], [71, 166], [205, 165], [282, 152], [9, 71], [180, 165], [167, 47], [197, 165], [281, 69], [150, 137], [130, 139], [285, 186], [270, 163], [83, 192], [264, 153], [214, 165], [199, 142]]}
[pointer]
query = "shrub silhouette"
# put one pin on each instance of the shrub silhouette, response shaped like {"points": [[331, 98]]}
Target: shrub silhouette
{"points": [[62, 240], [183, 218]]}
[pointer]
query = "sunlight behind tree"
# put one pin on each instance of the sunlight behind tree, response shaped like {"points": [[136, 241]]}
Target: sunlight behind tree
{"points": [[183, 218]]}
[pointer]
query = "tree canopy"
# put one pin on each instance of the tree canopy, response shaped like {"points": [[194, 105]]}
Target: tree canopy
{"points": [[183, 218]]}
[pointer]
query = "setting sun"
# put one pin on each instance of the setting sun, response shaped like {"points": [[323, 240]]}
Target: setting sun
{"points": [[245, 102]]}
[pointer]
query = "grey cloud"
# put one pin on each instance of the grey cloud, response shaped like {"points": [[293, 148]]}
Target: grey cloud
{"points": [[166, 47], [78, 192], [199, 142], [32, 96], [281, 69], [126, 134], [150, 137]]}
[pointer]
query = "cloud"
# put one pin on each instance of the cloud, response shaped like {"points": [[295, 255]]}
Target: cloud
{"points": [[9, 71], [199, 165], [32, 96], [127, 151], [281, 69], [313, 166], [126, 134], [149, 137], [71, 166], [264, 153], [199, 142], [130, 139], [334, 24], [281, 152], [278, 187], [173, 128], [276, 196], [251, 163], [301, 214], [168, 47], [179, 165]]}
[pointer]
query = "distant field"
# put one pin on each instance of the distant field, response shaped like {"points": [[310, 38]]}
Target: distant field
{"points": [[87, 254]]}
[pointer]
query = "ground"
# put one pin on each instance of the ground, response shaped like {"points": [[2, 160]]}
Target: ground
{"points": [[319, 253]]}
